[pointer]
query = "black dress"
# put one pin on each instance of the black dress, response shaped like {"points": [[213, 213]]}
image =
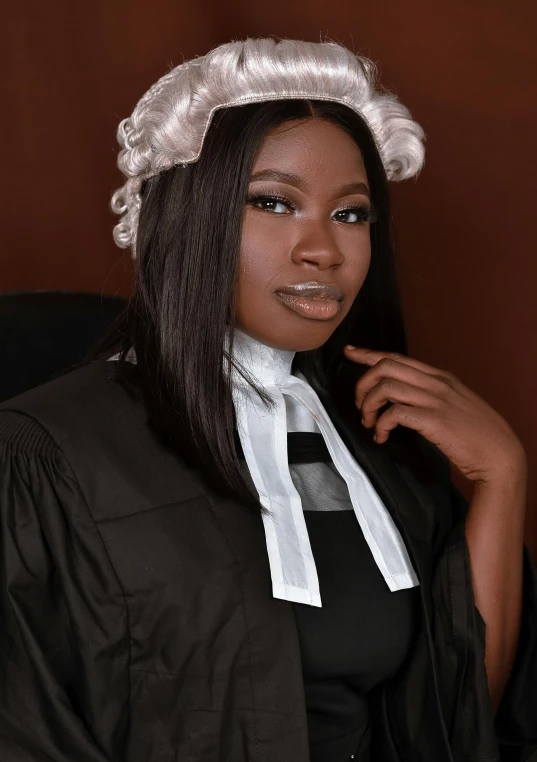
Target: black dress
{"points": [[362, 632]]}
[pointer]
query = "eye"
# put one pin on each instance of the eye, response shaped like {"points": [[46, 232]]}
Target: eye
{"points": [[269, 202], [357, 215], [276, 204]]}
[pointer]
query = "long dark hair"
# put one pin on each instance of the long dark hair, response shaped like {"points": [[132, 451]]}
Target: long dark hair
{"points": [[183, 305]]}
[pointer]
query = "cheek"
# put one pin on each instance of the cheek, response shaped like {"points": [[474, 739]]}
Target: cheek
{"points": [[262, 255], [255, 311], [358, 261], [252, 283]]}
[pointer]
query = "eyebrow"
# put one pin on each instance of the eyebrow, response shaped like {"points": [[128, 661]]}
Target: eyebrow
{"points": [[292, 179]]}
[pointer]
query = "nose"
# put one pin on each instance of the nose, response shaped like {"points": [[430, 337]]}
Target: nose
{"points": [[316, 245]]}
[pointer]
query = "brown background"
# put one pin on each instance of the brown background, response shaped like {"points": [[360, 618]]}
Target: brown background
{"points": [[466, 69]]}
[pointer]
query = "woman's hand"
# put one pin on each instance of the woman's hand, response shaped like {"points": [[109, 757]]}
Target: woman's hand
{"points": [[473, 436]]}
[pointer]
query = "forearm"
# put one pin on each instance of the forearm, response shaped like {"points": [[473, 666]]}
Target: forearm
{"points": [[494, 532]]}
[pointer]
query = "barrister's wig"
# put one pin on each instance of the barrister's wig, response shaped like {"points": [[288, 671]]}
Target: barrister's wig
{"points": [[169, 123]]}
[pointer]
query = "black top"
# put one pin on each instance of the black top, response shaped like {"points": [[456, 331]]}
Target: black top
{"points": [[362, 632]]}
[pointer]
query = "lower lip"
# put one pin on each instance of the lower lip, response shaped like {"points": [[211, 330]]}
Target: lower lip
{"points": [[318, 308]]}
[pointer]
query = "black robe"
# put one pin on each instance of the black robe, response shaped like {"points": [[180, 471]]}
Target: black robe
{"points": [[137, 622]]}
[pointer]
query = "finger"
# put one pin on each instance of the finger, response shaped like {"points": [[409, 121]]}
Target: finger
{"points": [[371, 357], [389, 369], [392, 390], [419, 419]]}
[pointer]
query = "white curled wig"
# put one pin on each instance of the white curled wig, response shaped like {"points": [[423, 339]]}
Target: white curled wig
{"points": [[169, 123]]}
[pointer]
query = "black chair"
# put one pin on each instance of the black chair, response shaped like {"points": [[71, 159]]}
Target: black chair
{"points": [[43, 333]]}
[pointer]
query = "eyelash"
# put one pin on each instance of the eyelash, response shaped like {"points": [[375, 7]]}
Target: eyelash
{"points": [[365, 213]]}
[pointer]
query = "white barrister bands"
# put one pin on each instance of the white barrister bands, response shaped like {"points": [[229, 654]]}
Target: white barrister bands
{"points": [[263, 436]]}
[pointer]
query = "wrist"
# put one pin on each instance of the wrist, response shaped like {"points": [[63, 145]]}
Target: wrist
{"points": [[510, 471]]}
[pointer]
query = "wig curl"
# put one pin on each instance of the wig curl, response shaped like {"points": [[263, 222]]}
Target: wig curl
{"points": [[169, 124]]}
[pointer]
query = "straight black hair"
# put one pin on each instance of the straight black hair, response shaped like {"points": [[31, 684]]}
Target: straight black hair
{"points": [[183, 307]]}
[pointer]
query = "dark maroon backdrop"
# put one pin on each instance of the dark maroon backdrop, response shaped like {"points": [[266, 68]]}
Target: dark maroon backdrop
{"points": [[465, 228]]}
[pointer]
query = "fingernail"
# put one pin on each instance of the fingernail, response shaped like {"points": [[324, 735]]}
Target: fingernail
{"points": [[349, 346]]}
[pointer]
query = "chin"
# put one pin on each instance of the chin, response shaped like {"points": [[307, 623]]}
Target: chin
{"points": [[292, 339]]}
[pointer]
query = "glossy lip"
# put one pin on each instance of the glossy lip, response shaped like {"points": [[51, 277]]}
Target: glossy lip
{"points": [[312, 289], [311, 307]]}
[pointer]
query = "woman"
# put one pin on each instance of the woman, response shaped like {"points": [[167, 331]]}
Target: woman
{"points": [[207, 556]]}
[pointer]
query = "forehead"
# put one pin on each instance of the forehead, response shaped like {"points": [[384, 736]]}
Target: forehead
{"points": [[311, 146]]}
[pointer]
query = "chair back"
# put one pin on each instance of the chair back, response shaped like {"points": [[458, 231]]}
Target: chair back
{"points": [[43, 333]]}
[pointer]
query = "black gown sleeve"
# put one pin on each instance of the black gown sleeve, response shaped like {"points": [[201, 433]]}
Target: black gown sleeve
{"points": [[63, 634], [515, 722]]}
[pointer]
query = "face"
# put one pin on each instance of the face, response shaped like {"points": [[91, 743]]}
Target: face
{"points": [[306, 220]]}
